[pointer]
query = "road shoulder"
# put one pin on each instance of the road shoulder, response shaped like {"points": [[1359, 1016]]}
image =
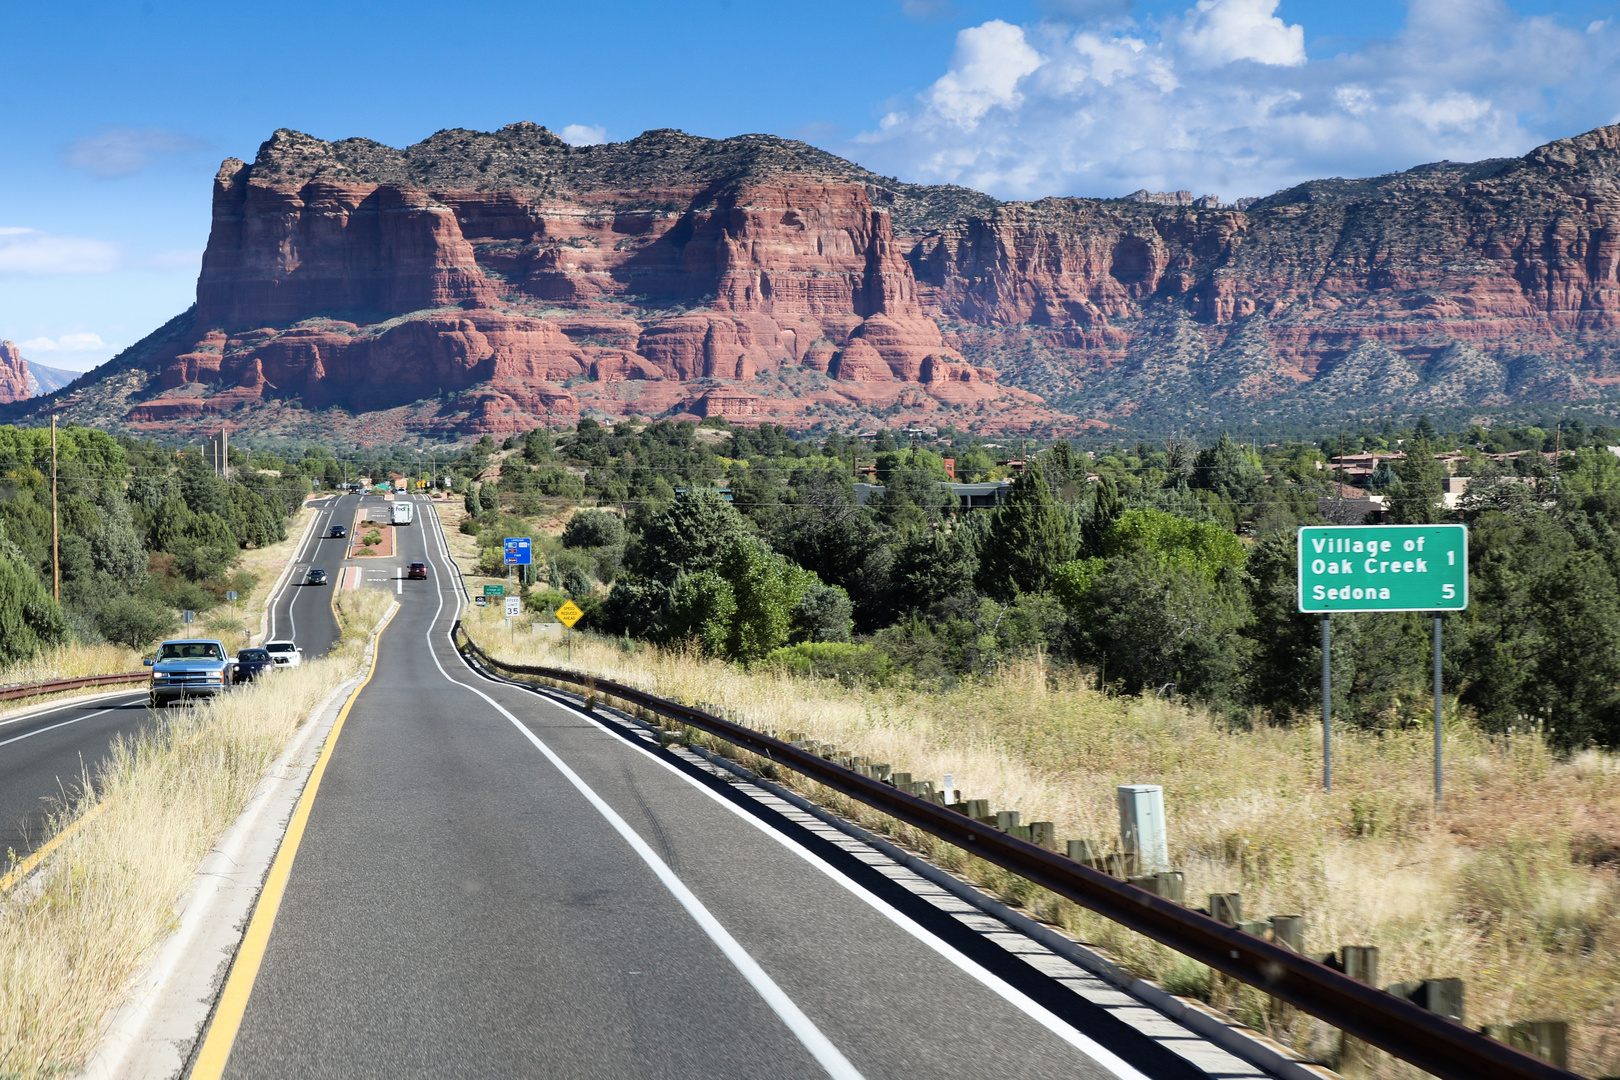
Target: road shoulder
{"points": [[154, 1032]]}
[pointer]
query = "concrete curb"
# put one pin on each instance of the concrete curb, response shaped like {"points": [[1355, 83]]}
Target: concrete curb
{"points": [[153, 1033]]}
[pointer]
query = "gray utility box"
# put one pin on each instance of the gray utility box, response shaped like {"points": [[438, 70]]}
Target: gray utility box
{"points": [[1141, 827]]}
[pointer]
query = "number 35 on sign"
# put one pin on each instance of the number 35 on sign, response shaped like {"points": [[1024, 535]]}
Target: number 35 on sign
{"points": [[1383, 568]]}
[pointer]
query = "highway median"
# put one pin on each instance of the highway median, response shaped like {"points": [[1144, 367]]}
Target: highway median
{"points": [[75, 933]]}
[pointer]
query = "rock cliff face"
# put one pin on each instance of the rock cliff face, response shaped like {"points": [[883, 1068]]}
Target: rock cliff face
{"points": [[494, 281], [511, 278], [14, 385], [1446, 286]]}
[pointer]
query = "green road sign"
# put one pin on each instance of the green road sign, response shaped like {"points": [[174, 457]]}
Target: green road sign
{"points": [[1383, 568], [494, 590]]}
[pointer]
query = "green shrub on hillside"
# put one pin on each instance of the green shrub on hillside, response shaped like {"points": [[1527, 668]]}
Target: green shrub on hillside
{"points": [[849, 664]]}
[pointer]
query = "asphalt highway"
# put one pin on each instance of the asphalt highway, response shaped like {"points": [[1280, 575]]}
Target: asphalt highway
{"points": [[491, 884], [46, 754]]}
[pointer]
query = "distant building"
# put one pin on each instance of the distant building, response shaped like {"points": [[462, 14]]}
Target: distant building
{"points": [[984, 496]]}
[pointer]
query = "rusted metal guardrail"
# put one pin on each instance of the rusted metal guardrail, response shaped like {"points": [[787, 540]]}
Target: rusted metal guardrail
{"points": [[22, 690], [1431, 1042]]}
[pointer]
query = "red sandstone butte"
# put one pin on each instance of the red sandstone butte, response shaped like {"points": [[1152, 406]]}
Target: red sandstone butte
{"points": [[490, 282], [14, 384]]}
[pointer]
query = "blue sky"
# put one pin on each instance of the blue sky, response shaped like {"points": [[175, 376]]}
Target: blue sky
{"points": [[115, 116]]}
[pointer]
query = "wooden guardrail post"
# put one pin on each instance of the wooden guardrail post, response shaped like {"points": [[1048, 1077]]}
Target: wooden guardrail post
{"points": [[1360, 962], [1226, 908], [1547, 1039], [1083, 852]]}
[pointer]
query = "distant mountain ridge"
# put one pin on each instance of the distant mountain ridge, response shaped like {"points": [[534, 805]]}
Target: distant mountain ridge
{"points": [[489, 282]]}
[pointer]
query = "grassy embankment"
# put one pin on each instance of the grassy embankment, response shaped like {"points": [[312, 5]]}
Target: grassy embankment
{"points": [[1511, 886], [73, 936]]}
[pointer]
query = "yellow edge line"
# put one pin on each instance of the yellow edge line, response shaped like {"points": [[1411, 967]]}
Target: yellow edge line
{"points": [[28, 865], [233, 1000]]}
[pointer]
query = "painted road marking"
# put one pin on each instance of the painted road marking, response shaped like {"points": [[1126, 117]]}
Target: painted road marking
{"points": [[828, 1056], [1017, 998], [63, 724], [58, 708], [233, 1000]]}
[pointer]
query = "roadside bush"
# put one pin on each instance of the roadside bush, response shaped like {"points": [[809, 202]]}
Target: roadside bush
{"points": [[136, 621], [593, 529], [29, 618], [372, 538], [850, 664]]}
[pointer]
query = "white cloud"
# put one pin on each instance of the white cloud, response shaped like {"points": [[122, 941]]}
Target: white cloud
{"points": [[1225, 98], [584, 134], [118, 151], [1223, 31], [989, 62], [29, 251], [67, 343]]}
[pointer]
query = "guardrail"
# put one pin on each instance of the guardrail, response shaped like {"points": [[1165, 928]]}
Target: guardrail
{"points": [[22, 690], [1432, 1042]]}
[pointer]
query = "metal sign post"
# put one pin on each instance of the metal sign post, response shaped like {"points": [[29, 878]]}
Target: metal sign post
{"points": [[569, 614], [1373, 568], [1327, 702]]}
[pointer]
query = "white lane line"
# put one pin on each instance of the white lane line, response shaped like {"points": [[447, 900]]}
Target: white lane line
{"points": [[53, 727], [991, 981], [804, 1029], [57, 708], [1013, 996], [297, 557]]}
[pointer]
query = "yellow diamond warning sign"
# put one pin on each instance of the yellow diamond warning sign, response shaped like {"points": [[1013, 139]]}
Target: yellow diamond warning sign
{"points": [[569, 614]]}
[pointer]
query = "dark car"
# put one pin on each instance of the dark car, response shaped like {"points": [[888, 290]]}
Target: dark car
{"points": [[337, 532], [316, 577], [251, 663], [417, 571]]}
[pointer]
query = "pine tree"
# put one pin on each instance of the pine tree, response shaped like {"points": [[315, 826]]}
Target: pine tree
{"points": [[1030, 537], [1416, 499]]}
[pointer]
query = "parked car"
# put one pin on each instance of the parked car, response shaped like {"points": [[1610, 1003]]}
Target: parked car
{"points": [[316, 576], [250, 664], [337, 532], [284, 653], [192, 667], [417, 571]]}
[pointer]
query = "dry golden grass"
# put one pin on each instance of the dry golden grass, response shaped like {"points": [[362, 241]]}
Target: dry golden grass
{"points": [[72, 937], [1511, 886]]}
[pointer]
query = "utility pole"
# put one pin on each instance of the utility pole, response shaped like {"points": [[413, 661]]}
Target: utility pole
{"points": [[56, 556]]}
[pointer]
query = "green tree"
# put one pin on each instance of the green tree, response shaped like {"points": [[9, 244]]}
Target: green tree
{"points": [[693, 533], [1159, 626], [701, 606], [1198, 545], [135, 621], [1229, 471], [822, 614], [29, 618], [768, 589], [1029, 537], [593, 529], [1415, 498]]}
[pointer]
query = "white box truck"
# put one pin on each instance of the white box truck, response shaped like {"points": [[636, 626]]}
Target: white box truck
{"points": [[402, 513]]}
